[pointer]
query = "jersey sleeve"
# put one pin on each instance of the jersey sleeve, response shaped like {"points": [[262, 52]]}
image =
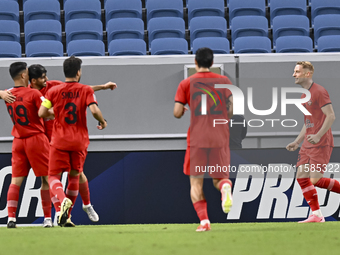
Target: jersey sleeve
{"points": [[180, 96], [323, 98], [90, 96], [38, 98]]}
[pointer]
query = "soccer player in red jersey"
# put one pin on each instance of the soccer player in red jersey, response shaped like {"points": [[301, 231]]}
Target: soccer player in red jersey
{"points": [[70, 137], [28, 131], [317, 138], [206, 144], [39, 81]]}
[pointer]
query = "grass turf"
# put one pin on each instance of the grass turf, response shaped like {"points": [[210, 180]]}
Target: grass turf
{"points": [[240, 238]]}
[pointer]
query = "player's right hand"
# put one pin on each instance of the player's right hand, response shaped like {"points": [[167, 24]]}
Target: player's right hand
{"points": [[7, 96], [292, 146], [102, 125]]}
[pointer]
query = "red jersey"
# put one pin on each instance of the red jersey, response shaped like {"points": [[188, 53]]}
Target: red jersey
{"points": [[314, 122], [69, 102], [202, 132], [24, 112]]}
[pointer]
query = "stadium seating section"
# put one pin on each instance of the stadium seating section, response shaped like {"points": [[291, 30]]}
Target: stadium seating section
{"points": [[52, 28]]}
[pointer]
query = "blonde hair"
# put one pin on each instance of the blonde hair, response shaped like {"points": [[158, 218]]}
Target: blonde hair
{"points": [[306, 65]]}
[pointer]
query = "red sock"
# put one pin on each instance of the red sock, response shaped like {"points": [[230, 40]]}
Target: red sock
{"points": [[223, 181], [309, 193], [56, 188], [330, 184], [46, 202], [12, 199], [201, 210], [72, 190], [55, 202], [84, 192]]}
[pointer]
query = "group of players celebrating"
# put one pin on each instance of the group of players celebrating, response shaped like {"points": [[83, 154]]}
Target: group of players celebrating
{"points": [[52, 114], [51, 136]]}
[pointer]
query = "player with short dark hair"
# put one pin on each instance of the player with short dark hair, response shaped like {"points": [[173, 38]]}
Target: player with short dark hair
{"points": [[39, 80], [70, 137], [208, 145], [317, 138], [28, 131]]}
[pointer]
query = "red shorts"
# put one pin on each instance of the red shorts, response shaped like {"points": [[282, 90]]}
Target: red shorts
{"points": [[215, 161], [64, 161], [317, 157], [30, 152]]}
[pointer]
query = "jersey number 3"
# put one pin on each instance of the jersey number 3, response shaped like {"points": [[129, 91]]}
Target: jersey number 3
{"points": [[21, 112], [71, 112]]}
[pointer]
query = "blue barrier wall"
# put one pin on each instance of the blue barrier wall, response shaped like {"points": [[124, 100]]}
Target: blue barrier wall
{"points": [[149, 187]]}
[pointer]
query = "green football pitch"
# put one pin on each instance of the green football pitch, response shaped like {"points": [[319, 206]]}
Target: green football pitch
{"points": [[240, 238]]}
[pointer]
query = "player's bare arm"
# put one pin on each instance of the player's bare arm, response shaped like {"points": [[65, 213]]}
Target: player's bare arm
{"points": [[108, 85], [97, 114], [294, 145], [330, 117], [230, 107], [179, 110], [7, 96]]}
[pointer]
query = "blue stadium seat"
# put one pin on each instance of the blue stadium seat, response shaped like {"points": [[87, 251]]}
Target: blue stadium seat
{"points": [[329, 43], [322, 7], [123, 9], [9, 30], [286, 25], [207, 27], [287, 7], [122, 47], [157, 8], [246, 8], [37, 9], [200, 8], [218, 45], [44, 49], [9, 10], [10, 49], [254, 44], [291, 44], [79, 29], [328, 24], [82, 9], [166, 27], [248, 26], [125, 28], [36, 30], [169, 46], [86, 48]]}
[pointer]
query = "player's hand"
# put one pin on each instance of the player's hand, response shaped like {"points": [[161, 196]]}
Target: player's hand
{"points": [[184, 110], [292, 146], [313, 139], [7, 96], [110, 85], [102, 125]]}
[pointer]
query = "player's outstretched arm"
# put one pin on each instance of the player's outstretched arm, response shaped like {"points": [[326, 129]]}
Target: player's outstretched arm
{"points": [[108, 85], [294, 145], [330, 118], [7, 96], [97, 114], [179, 110]]}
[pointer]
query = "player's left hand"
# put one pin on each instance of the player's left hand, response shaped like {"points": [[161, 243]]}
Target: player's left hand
{"points": [[313, 139], [7, 96], [184, 110], [110, 85], [102, 125]]}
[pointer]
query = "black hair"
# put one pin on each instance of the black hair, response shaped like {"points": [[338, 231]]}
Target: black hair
{"points": [[204, 57], [71, 66], [36, 71], [16, 68]]}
